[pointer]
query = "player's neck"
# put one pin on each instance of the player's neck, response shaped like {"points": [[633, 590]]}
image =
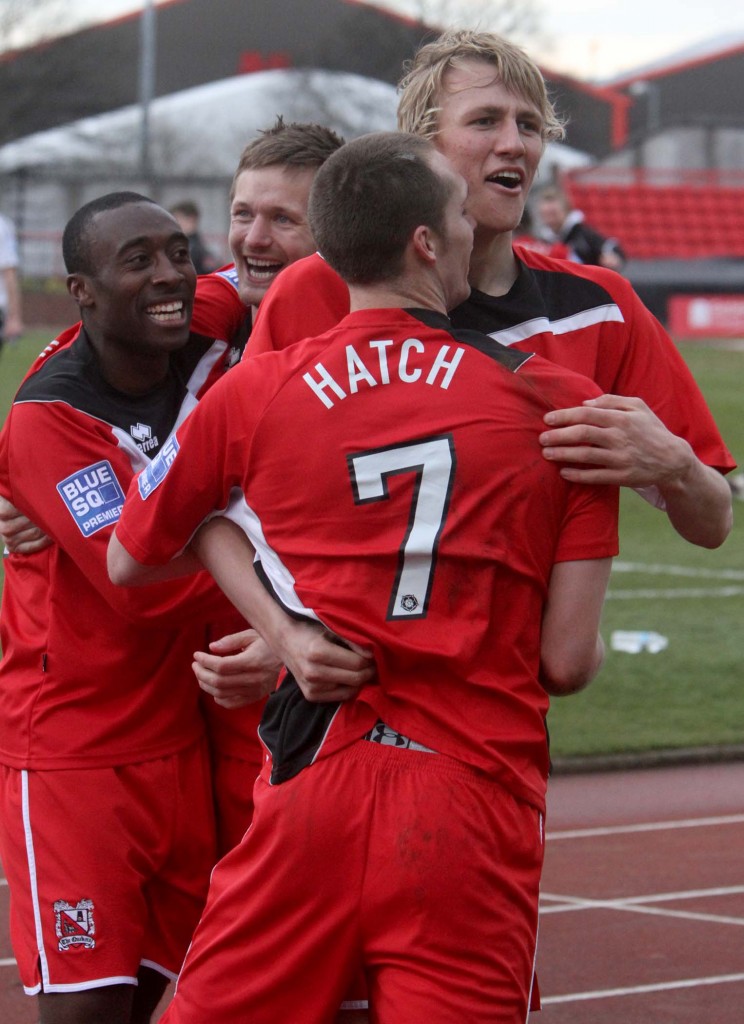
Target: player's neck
{"points": [[392, 295], [493, 265], [132, 373]]}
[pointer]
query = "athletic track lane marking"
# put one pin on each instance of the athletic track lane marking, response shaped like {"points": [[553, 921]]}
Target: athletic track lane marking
{"points": [[639, 904], [668, 986], [650, 826]]}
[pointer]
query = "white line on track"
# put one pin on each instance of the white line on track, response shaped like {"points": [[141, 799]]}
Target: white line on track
{"points": [[658, 897], [650, 826], [611, 993], [640, 904]]}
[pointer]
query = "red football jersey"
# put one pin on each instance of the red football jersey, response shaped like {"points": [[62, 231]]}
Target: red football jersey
{"points": [[307, 298], [390, 478], [585, 318], [218, 310], [94, 675]]}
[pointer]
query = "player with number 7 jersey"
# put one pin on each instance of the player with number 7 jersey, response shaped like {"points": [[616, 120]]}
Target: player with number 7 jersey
{"points": [[388, 476], [413, 514]]}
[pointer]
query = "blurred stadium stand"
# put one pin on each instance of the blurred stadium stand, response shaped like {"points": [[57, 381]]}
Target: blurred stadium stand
{"points": [[664, 144], [699, 216]]}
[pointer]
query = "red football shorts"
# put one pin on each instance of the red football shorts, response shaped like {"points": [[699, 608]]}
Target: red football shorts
{"points": [[108, 868], [408, 864], [237, 755], [234, 779]]}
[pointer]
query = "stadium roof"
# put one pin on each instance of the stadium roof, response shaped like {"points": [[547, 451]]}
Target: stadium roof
{"points": [[201, 132], [96, 70], [198, 42], [700, 86]]}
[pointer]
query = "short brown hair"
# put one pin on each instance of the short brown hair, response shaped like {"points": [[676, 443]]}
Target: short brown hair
{"points": [[422, 83], [288, 145], [367, 200]]}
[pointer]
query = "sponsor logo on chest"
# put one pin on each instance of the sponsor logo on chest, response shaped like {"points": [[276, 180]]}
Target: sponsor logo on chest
{"points": [[143, 437]]}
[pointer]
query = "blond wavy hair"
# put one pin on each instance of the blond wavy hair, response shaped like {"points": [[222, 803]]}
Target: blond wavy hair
{"points": [[422, 83]]}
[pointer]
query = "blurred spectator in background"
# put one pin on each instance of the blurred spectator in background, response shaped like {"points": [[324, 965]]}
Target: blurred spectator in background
{"points": [[11, 324], [188, 215], [525, 235], [567, 225]]}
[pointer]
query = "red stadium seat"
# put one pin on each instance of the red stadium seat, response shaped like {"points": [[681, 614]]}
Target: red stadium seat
{"points": [[676, 221]]}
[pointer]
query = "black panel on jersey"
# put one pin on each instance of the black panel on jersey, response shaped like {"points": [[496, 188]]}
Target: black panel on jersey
{"points": [[536, 293], [510, 359], [73, 376], [293, 729], [243, 333]]}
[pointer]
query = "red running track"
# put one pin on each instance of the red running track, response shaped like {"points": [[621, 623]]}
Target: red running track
{"points": [[642, 906], [643, 898]]}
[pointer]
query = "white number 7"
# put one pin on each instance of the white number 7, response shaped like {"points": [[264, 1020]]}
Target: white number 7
{"points": [[433, 461]]}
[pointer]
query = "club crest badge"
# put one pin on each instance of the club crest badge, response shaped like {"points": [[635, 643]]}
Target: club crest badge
{"points": [[75, 926]]}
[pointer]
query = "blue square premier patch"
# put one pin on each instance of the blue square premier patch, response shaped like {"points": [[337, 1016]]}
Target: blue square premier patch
{"points": [[93, 496], [154, 474]]}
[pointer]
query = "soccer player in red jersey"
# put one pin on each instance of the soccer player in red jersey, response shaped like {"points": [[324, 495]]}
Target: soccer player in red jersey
{"points": [[483, 103], [268, 223], [107, 834], [268, 230], [102, 752], [389, 476]]}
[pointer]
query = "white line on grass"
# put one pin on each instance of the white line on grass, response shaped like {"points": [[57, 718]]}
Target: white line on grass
{"points": [[668, 986], [649, 826], [651, 569], [678, 570], [689, 592]]}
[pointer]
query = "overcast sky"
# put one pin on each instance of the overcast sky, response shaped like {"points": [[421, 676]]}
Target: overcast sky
{"points": [[600, 38], [593, 39]]}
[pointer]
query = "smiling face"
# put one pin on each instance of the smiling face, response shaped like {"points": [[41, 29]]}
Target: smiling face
{"points": [[268, 225], [140, 295], [492, 137]]}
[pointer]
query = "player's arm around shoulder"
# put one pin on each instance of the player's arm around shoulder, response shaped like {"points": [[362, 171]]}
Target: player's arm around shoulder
{"points": [[618, 439]]}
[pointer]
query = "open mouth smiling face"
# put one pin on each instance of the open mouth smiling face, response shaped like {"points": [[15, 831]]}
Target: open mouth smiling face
{"points": [[167, 312], [268, 225], [493, 137], [506, 179]]}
